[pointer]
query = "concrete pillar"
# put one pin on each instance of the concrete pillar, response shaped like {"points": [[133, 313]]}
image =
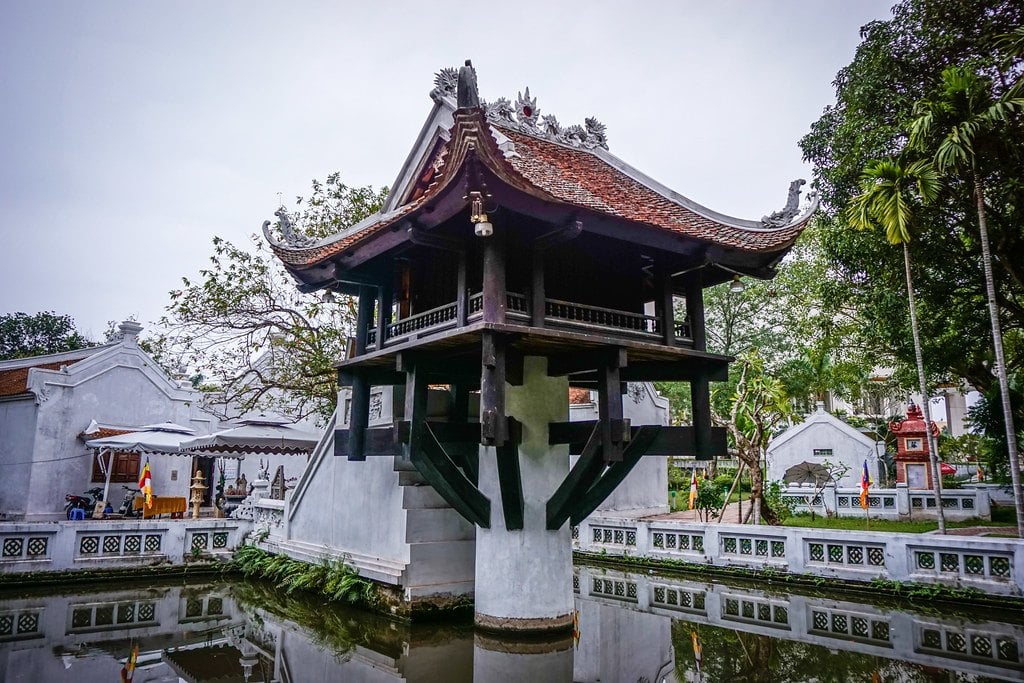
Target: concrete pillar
{"points": [[902, 500], [524, 577], [956, 412]]}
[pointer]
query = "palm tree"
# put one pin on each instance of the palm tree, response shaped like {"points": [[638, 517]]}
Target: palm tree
{"points": [[962, 125], [889, 190]]}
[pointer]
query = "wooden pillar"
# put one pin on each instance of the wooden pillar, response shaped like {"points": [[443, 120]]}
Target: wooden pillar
{"points": [[609, 408], [359, 418], [664, 306], [495, 297], [461, 311], [385, 302], [493, 425], [364, 314], [415, 406], [700, 397], [695, 311], [538, 297]]}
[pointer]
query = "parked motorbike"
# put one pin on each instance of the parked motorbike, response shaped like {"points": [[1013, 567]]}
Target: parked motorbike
{"points": [[87, 505], [127, 508]]}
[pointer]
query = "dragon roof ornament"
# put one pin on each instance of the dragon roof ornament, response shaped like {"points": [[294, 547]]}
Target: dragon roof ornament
{"points": [[785, 216], [524, 115], [289, 236]]}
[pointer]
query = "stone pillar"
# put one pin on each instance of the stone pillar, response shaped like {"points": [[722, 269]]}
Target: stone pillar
{"points": [[902, 500], [524, 577]]}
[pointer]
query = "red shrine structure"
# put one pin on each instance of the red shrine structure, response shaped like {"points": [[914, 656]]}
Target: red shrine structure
{"points": [[912, 451], [510, 242]]}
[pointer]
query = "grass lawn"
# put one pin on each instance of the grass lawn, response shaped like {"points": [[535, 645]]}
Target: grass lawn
{"points": [[1001, 516]]}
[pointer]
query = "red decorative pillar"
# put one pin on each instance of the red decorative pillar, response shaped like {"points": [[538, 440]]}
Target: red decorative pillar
{"points": [[912, 449]]}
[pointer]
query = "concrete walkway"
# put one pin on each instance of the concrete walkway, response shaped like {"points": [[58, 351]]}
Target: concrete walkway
{"points": [[731, 516]]}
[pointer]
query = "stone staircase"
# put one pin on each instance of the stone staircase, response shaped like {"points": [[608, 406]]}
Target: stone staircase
{"points": [[441, 543]]}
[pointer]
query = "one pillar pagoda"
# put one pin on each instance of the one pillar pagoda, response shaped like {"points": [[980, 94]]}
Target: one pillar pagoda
{"points": [[513, 259]]}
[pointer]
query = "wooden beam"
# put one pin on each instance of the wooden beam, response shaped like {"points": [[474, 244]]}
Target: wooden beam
{"points": [[449, 481], [678, 441], [415, 408], [614, 475], [565, 233], [461, 294], [385, 302], [609, 409], [664, 304], [695, 310], [493, 423], [364, 313], [377, 441], [511, 485], [700, 399], [538, 301], [583, 361], [580, 478], [421, 237], [359, 417], [495, 294]]}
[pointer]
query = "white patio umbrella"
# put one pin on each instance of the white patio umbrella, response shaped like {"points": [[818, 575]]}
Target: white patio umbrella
{"points": [[262, 433], [165, 437]]}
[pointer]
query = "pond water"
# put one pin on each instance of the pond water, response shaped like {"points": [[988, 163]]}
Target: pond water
{"points": [[633, 628]]}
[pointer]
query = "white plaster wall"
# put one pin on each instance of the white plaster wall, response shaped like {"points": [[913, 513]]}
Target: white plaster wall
{"points": [[820, 434], [117, 389], [17, 437], [646, 486]]}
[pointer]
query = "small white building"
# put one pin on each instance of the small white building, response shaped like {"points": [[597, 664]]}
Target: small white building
{"points": [[47, 403], [799, 453]]}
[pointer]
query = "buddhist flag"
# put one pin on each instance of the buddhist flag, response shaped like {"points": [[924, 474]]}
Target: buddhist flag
{"points": [[981, 474], [865, 483], [146, 484], [698, 651], [128, 670], [693, 488]]}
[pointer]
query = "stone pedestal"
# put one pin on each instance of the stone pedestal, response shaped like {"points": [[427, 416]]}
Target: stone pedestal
{"points": [[524, 577]]}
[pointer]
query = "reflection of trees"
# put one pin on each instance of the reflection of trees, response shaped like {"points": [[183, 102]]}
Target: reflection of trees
{"points": [[749, 658]]}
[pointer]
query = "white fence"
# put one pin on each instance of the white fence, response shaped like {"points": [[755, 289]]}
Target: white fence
{"points": [[898, 503], [994, 566], [62, 546]]}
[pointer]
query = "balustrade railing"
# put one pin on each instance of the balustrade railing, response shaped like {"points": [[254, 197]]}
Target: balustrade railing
{"points": [[570, 313], [556, 311]]}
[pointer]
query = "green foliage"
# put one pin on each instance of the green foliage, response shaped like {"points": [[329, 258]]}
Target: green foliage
{"points": [[246, 330], [336, 581], [710, 498], [23, 335], [987, 417], [781, 507], [900, 63]]}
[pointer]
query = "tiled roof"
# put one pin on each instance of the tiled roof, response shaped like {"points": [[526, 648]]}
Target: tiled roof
{"points": [[104, 432], [15, 381], [579, 397], [553, 172], [579, 177]]}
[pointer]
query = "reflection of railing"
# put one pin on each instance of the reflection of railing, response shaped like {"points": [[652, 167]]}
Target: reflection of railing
{"points": [[597, 317]]}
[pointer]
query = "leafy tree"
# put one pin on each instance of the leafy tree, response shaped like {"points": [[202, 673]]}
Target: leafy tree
{"points": [[246, 329], [710, 499], [23, 335], [757, 404], [987, 417], [900, 62], [889, 192], [966, 126]]}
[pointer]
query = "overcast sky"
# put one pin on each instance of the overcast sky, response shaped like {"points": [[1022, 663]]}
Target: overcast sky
{"points": [[131, 133]]}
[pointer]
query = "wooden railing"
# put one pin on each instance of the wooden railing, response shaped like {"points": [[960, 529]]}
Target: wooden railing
{"points": [[556, 311], [421, 321], [596, 317]]}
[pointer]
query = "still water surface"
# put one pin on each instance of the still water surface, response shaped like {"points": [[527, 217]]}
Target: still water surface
{"points": [[633, 628]]}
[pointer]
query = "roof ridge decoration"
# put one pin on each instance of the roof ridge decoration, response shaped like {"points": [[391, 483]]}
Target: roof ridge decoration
{"points": [[524, 115], [289, 236], [783, 217]]}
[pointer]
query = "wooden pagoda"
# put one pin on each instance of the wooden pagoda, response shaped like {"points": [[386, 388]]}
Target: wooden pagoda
{"points": [[506, 236]]}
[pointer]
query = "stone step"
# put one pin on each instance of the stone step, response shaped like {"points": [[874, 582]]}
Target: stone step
{"points": [[404, 465], [431, 525], [411, 479], [440, 562], [420, 497]]}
